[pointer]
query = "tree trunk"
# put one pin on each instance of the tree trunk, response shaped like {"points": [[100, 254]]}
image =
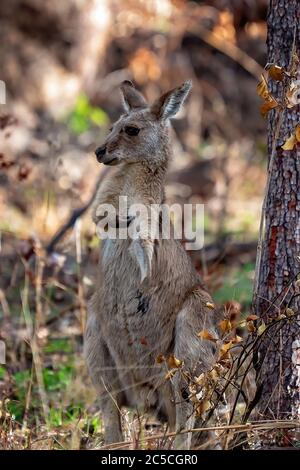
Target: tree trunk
{"points": [[278, 369]]}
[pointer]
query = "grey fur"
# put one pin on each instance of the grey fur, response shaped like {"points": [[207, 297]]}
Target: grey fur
{"points": [[142, 309]]}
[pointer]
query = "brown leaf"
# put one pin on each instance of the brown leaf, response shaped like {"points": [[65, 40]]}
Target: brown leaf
{"points": [[269, 100], [297, 132], [226, 362], [214, 374], [261, 328], [225, 325], [203, 407], [200, 380], [276, 72], [292, 94], [237, 339], [262, 89], [250, 326], [281, 316], [173, 362], [289, 143], [205, 334], [252, 318], [267, 106], [289, 312], [160, 359], [224, 350], [210, 305]]}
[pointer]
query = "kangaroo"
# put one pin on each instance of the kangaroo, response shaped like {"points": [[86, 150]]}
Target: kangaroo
{"points": [[149, 299]]}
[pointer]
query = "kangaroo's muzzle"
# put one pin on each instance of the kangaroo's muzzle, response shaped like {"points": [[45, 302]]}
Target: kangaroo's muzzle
{"points": [[105, 158]]}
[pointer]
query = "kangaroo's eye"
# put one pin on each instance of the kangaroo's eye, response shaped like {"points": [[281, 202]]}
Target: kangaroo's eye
{"points": [[130, 130]]}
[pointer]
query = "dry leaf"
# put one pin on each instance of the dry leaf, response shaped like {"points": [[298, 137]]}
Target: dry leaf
{"points": [[210, 305], [292, 95], [276, 72], [289, 143], [173, 362], [297, 132], [225, 325], [200, 380], [263, 92], [226, 361], [289, 312], [214, 375], [160, 359], [252, 318], [224, 350], [250, 326], [281, 316], [237, 339], [261, 328], [267, 106], [205, 334], [202, 407], [262, 89]]}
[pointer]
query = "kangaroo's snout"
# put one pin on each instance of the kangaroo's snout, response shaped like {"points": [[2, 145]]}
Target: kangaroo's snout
{"points": [[103, 157], [100, 152]]}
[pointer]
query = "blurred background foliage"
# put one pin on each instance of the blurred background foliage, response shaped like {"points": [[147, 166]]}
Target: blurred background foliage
{"points": [[62, 63]]}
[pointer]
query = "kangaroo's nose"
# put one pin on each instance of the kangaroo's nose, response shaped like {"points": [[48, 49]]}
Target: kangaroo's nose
{"points": [[100, 152]]}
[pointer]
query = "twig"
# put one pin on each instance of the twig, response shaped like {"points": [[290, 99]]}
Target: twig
{"points": [[34, 348], [80, 288], [254, 426], [74, 216], [231, 50]]}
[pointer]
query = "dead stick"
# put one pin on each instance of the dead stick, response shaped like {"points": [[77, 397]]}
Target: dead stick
{"points": [[74, 216]]}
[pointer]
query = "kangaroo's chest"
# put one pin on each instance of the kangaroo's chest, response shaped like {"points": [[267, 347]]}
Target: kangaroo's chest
{"points": [[136, 321]]}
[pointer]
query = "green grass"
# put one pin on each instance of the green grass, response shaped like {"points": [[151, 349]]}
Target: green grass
{"points": [[59, 345], [2, 373], [238, 286]]}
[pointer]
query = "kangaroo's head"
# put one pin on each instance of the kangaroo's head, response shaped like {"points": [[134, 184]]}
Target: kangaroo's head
{"points": [[140, 134]]}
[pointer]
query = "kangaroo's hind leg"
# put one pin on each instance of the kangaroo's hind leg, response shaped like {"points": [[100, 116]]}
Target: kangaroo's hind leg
{"points": [[105, 378], [197, 356]]}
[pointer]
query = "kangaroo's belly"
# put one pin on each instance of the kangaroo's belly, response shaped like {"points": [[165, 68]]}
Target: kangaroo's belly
{"points": [[138, 323]]}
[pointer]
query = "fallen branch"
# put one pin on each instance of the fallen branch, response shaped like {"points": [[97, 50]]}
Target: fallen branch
{"points": [[254, 426]]}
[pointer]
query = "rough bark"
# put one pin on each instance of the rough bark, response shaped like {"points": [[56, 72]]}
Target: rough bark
{"points": [[280, 351]]}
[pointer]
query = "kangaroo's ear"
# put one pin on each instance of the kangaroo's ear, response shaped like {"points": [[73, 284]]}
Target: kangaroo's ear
{"points": [[170, 103], [132, 98]]}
